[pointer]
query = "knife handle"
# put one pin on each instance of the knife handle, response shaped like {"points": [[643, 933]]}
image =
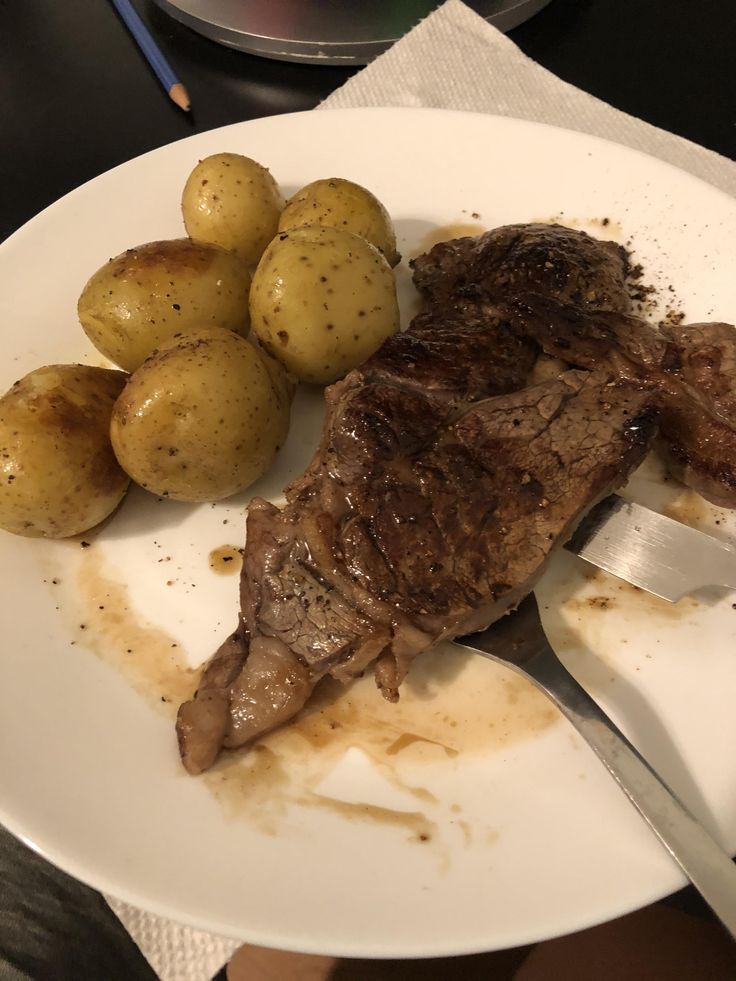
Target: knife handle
{"points": [[704, 862]]}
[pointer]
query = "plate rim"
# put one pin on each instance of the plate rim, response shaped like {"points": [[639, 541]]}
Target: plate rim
{"points": [[97, 881], [491, 118]]}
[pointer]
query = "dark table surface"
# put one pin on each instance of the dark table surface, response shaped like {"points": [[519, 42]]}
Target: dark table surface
{"points": [[77, 98]]}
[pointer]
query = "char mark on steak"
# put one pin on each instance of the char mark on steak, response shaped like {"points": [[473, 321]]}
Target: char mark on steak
{"points": [[550, 260], [691, 369]]}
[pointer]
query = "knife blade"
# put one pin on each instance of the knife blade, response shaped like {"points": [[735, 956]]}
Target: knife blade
{"points": [[649, 550]]}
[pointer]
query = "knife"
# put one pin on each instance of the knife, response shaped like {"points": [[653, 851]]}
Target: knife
{"points": [[649, 550]]}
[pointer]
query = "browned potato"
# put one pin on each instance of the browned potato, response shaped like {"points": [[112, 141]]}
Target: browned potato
{"points": [[148, 294], [58, 473]]}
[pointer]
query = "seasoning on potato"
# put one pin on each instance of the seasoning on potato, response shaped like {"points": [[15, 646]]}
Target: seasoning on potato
{"points": [[148, 294], [322, 301], [58, 473], [232, 201], [201, 419], [339, 203]]}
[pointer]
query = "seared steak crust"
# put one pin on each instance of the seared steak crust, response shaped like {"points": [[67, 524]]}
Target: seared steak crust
{"points": [[551, 260]]}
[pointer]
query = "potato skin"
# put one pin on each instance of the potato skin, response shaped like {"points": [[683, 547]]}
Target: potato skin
{"points": [[201, 419], [232, 201], [144, 296], [58, 473], [339, 203], [322, 301]]}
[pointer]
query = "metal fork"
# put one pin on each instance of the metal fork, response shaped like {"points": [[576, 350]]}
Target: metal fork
{"points": [[518, 640]]}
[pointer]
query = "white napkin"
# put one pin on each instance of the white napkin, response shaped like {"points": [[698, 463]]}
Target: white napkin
{"points": [[454, 60]]}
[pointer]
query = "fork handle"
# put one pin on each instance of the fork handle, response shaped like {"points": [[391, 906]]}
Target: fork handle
{"points": [[704, 862]]}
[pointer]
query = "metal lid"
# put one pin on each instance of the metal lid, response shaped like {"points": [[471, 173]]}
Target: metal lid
{"points": [[328, 31]]}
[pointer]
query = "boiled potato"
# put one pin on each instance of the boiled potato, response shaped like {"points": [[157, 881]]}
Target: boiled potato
{"points": [[58, 473], [201, 419], [322, 301], [146, 295], [339, 203], [232, 201]]}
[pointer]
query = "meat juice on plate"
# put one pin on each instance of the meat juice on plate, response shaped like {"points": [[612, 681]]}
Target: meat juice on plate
{"points": [[453, 707]]}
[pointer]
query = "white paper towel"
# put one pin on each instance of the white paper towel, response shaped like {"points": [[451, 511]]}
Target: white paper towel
{"points": [[174, 951], [453, 60]]}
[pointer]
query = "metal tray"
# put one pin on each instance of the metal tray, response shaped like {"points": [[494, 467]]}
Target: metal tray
{"points": [[324, 31]]}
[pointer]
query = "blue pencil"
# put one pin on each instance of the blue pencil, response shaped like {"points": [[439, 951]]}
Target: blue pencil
{"points": [[153, 53]]}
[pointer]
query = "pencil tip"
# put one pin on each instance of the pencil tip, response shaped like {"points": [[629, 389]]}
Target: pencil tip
{"points": [[180, 96]]}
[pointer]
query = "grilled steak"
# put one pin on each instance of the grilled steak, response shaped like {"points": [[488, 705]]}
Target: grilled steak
{"points": [[692, 369], [699, 416], [549, 260], [428, 511], [441, 487], [571, 299]]}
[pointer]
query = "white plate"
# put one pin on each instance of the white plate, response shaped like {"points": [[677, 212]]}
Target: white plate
{"points": [[510, 833]]}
